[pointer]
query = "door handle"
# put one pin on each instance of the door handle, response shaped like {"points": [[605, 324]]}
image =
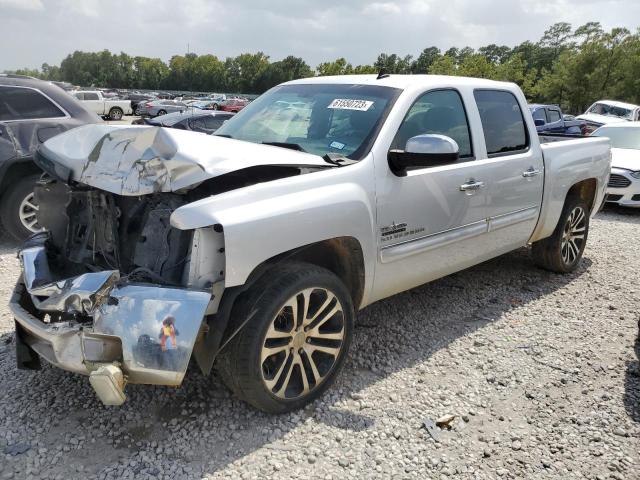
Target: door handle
{"points": [[531, 172], [471, 185]]}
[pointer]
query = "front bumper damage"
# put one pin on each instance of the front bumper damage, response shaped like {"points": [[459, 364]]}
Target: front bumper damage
{"points": [[101, 325]]}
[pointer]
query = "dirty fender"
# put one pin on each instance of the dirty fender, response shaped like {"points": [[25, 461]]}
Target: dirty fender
{"points": [[264, 220]]}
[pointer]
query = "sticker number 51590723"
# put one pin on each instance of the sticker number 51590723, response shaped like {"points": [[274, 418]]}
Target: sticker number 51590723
{"points": [[350, 104]]}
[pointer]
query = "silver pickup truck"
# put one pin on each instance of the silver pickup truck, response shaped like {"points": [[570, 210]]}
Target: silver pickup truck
{"points": [[252, 250]]}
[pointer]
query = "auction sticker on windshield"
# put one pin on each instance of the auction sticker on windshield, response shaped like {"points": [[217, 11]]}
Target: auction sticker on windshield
{"points": [[351, 104]]}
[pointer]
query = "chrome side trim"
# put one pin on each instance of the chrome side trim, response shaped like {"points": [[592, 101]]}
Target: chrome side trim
{"points": [[398, 251], [511, 218]]}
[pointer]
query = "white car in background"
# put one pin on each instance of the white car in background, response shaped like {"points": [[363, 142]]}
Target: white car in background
{"points": [[605, 112], [106, 108], [624, 182]]}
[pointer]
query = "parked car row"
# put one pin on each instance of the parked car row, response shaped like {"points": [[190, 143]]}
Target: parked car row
{"points": [[204, 121], [162, 107]]}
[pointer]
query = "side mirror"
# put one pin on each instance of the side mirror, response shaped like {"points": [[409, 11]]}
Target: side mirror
{"points": [[539, 122], [429, 150]]}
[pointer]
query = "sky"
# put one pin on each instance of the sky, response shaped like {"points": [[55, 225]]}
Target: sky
{"points": [[38, 31]]}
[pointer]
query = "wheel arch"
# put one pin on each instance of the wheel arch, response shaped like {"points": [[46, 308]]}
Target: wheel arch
{"points": [[343, 256], [585, 189], [17, 169]]}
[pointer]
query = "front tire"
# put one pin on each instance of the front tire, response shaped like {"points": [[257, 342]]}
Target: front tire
{"points": [[115, 114], [562, 251], [161, 112], [295, 342], [18, 209]]}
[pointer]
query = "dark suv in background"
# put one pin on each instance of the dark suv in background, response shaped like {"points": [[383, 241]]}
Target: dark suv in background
{"points": [[31, 112]]}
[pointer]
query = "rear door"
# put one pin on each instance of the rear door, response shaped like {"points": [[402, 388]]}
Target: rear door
{"points": [[431, 221], [515, 167]]}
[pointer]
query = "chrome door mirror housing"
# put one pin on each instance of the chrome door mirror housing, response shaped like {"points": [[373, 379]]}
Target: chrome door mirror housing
{"points": [[428, 150]]}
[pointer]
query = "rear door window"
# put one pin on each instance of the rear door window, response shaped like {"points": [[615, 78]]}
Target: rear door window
{"points": [[91, 96], [554, 116], [502, 122], [18, 103]]}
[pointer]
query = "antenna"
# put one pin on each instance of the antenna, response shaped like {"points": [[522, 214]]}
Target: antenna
{"points": [[382, 74]]}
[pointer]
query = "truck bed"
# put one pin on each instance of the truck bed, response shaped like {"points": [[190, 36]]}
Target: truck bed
{"points": [[569, 159], [557, 137]]}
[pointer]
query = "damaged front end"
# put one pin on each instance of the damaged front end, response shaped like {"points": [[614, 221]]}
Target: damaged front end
{"points": [[97, 319], [110, 288]]}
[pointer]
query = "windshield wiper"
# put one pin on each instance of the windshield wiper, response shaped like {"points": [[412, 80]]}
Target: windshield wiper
{"points": [[337, 159], [222, 135], [290, 146]]}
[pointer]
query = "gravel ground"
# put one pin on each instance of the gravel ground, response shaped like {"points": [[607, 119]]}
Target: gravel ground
{"points": [[539, 370]]}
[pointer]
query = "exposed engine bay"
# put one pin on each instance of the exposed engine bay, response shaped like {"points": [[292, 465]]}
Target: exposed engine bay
{"points": [[92, 230]]}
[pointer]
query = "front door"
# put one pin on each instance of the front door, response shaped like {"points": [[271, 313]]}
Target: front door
{"points": [[430, 221]]}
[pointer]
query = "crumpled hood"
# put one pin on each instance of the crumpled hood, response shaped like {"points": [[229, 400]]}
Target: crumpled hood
{"points": [[600, 119], [138, 160], [625, 158]]}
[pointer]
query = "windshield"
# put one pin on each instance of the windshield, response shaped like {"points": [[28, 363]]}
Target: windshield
{"points": [[320, 119], [621, 137], [611, 111]]}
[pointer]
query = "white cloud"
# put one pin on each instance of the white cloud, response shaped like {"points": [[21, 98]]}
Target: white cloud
{"points": [[382, 8], [317, 31], [28, 5]]}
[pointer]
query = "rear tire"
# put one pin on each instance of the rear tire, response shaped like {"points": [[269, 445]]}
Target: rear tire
{"points": [[295, 342], [17, 208], [115, 114], [562, 251], [161, 112]]}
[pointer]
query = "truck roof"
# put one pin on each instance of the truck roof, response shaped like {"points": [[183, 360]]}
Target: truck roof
{"points": [[404, 81], [541, 105]]}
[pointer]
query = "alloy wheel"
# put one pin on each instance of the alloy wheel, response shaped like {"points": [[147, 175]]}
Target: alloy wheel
{"points": [[27, 212], [573, 235], [303, 343]]}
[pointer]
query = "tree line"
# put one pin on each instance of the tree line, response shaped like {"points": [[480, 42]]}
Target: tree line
{"points": [[567, 66]]}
